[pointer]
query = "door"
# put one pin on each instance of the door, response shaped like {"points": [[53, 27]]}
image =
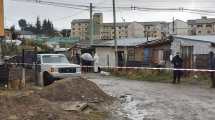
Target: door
{"points": [[121, 58], [146, 57], [187, 56]]}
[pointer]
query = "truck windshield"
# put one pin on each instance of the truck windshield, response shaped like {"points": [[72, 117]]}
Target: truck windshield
{"points": [[55, 59]]}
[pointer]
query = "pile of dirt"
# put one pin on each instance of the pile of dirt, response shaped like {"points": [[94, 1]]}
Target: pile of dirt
{"points": [[46, 103], [78, 89], [33, 108]]}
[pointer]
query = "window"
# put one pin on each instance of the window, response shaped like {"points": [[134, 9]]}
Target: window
{"points": [[208, 31], [166, 55], [208, 25], [54, 59], [199, 32], [131, 54], [199, 25]]}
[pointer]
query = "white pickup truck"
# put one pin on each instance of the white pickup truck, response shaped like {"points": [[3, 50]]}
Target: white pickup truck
{"points": [[54, 67]]}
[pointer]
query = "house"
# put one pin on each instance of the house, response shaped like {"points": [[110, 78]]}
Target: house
{"points": [[194, 50], [130, 52]]}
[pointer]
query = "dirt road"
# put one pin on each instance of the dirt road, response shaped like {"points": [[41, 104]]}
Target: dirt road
{"points": [[158, 101]]}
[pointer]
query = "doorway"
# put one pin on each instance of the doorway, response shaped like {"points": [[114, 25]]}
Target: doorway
{"points": [[187, 56], [121, 58]]}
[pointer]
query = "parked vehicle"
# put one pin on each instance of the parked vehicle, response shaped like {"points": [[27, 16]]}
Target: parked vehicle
{"points": [[56, 66]]}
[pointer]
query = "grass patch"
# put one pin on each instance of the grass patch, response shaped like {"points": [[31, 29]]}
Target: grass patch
{"points": [[164, 76], [144, 75]]}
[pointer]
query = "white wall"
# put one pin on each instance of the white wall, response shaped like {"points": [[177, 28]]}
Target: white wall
{"points": [[103, 52], [198, 46], [181, 28]]}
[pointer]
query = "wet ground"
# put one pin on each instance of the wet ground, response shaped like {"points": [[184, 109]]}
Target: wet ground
{"points": [[158, 101]]}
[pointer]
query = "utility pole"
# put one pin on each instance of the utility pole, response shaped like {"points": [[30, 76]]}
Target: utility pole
{"points": [[115, 41], [173, 26], [91, 24], [147, 36]]}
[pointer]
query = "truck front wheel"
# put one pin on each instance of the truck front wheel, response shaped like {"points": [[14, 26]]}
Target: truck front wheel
{"points": [[47, 78]]}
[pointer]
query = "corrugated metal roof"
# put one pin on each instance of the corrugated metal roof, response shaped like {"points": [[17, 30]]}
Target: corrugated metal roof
{"points": [[125, 42], [205, 38]]}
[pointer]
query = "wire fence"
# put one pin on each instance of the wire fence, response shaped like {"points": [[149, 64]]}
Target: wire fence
{"points": [[26, 73]]}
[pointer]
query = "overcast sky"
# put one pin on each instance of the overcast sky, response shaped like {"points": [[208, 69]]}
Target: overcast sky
{"points": [[62, 17]]}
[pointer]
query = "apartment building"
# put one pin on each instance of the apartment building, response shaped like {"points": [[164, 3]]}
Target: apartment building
{"points": [[105, 31], [203, 26], [80, 28], [155, 29], [108, 31]]}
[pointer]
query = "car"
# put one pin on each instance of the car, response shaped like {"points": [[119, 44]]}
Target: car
{"points": [[53, 67]]}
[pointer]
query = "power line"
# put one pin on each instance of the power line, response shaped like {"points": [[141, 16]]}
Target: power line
{"points": [[126, 8], [57, 4]]}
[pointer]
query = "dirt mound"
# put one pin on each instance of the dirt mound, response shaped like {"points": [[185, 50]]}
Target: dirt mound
{"points": [[46, 103], [32, 108], [77, 89]]}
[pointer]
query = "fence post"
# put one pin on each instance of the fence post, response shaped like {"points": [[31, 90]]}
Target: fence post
{"points": [[23, 68], [23, 77]]}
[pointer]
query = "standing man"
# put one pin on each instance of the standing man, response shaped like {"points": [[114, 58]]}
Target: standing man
{"points": [[177, 62], [212, 67]]}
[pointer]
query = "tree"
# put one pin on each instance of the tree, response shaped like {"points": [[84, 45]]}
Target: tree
{"points": [[38, 26], [22, 24], [45, 26], [30, 28], [48, 27]]}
